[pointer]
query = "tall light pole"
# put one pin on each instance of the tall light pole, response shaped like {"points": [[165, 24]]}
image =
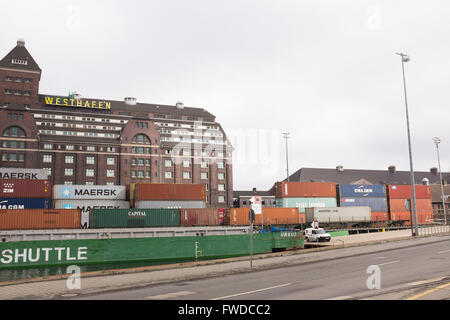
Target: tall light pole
{"points": [[405, 58], [286, 136], [437, 140]]}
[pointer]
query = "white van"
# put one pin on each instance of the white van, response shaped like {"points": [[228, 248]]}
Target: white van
{"points": [[316, 235]]}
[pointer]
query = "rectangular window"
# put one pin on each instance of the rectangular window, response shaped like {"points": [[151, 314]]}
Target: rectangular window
{"points": [[47, 158], [140, 174], [168, 163], [90, 148], [4, 157], [133, 161], [110, 173], [48, 146], [220, 165], [49, 171], [147, 162], [186, 163], [90, 160], [110, 161], [221, 199], [110, 183], [111, 149], [220, 176], [204, 175], [68, 183], [204, 164], [90, 172], [221, 187], [69, 147], [147, 174], [12, 157], [133, 173], [21, 157], [186, 175], [140, 162], [89, 183], [68, 172], [168, 175], [68, 159]]}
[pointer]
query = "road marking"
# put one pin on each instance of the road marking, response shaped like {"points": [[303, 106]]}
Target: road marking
{"points": [[170, 295], [249, 292], [425, 281], [428, 291], [383, 264], [443, 251], [340, 298]]}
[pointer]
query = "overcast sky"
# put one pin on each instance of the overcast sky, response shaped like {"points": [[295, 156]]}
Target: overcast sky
{"points": [[325, 71]]}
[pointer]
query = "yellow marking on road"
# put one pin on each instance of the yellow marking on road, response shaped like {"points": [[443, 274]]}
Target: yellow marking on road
{"points": [[428, 291]]}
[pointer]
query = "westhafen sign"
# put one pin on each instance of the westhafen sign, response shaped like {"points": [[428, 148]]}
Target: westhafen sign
{"points": [[77, 103]]}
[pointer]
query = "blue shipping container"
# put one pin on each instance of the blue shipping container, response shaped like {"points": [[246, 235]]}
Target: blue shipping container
{"points": [[376, 204], [25, 203], [362, 190]]}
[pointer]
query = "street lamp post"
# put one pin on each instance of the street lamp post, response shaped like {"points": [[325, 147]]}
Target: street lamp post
{"points": [[437, 140], [286, 136], [405, 58]]}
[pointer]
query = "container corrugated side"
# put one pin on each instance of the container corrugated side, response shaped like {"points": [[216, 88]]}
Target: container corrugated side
{"points": [[155, 204], [134, 218], [23, 173], [424, 217], [25, 203], [399, 205], [87, 192], [342, 214], [379, 216], [20, 188], [376, 204], [362, 190], [201, 217], [302, 203], [40, 219], [305, 189], [269, 216], [404, 192], [169, 191]]}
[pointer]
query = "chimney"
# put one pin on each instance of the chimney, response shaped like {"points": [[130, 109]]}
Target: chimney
{"points": [[254, 190], [179, 105], [21, 43], [391, 169], [130, 101], [340, 168], [434, 170]]}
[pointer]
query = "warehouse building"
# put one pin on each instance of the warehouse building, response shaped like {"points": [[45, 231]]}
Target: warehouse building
{"points": [[104, 142]]}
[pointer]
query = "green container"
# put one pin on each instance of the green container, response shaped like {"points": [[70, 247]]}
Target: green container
{"points": [[134, 218]]}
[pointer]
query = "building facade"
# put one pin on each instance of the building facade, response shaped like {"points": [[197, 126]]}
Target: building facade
{"points": [[94, 141]]}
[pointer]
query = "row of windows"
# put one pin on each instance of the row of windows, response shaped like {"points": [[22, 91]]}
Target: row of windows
{"points": [[13, 144], [141, 125], [13, 132], [187, 175], [89, 183], [52, 116], [110, 173], [18, 92], [140, 162], [48, 158], [187, 163], [7, 104], [15, 116], [13, 157], [17, 79], [49, 146]]}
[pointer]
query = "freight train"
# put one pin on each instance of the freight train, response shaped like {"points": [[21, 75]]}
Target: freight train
{"points": [[140, 204]]}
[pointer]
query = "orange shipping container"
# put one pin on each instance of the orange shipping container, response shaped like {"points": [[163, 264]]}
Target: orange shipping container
{"points": [[270, 216], [379, 216], [305, 189], [423, 217], [399, 205], [40, 219], [168, 191]]}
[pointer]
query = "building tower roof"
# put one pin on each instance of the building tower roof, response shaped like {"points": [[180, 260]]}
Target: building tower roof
{"points": [[19, 58]]}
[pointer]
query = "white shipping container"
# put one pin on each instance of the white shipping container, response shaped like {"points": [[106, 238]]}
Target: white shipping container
{"points": [[155, 204], [340, 214], [87, 205], [88, 192], [22, 173]]}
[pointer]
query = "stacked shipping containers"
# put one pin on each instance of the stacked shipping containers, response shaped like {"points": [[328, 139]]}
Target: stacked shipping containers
{"points": [[305, 195], [269, 216], [399, 194], [169, 196], [86, 198], [25, 194], [373, 196]]}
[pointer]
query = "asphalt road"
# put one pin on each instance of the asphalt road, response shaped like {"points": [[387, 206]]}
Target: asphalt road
{"points": [[403, 274]]}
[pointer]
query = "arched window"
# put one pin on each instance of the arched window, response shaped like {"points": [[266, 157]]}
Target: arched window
{"points": [[141, 138], [14, 132]]}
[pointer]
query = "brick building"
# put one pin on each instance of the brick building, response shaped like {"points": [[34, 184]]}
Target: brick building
{"points": [[94, 141]]}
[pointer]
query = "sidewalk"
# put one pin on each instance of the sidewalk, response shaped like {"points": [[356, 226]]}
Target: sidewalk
{"points": [[121, 279]]}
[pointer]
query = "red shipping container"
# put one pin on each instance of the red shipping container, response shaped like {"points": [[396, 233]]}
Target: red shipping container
{"points": [[404, 192], [270, 216], [379, 216], [399, 205], [169, 191], [305, 189], [200, 217], [20, 188], [40, 219]]}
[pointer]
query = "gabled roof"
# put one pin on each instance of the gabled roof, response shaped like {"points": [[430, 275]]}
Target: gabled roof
{"points": [[19, 52], [355, 176]]}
